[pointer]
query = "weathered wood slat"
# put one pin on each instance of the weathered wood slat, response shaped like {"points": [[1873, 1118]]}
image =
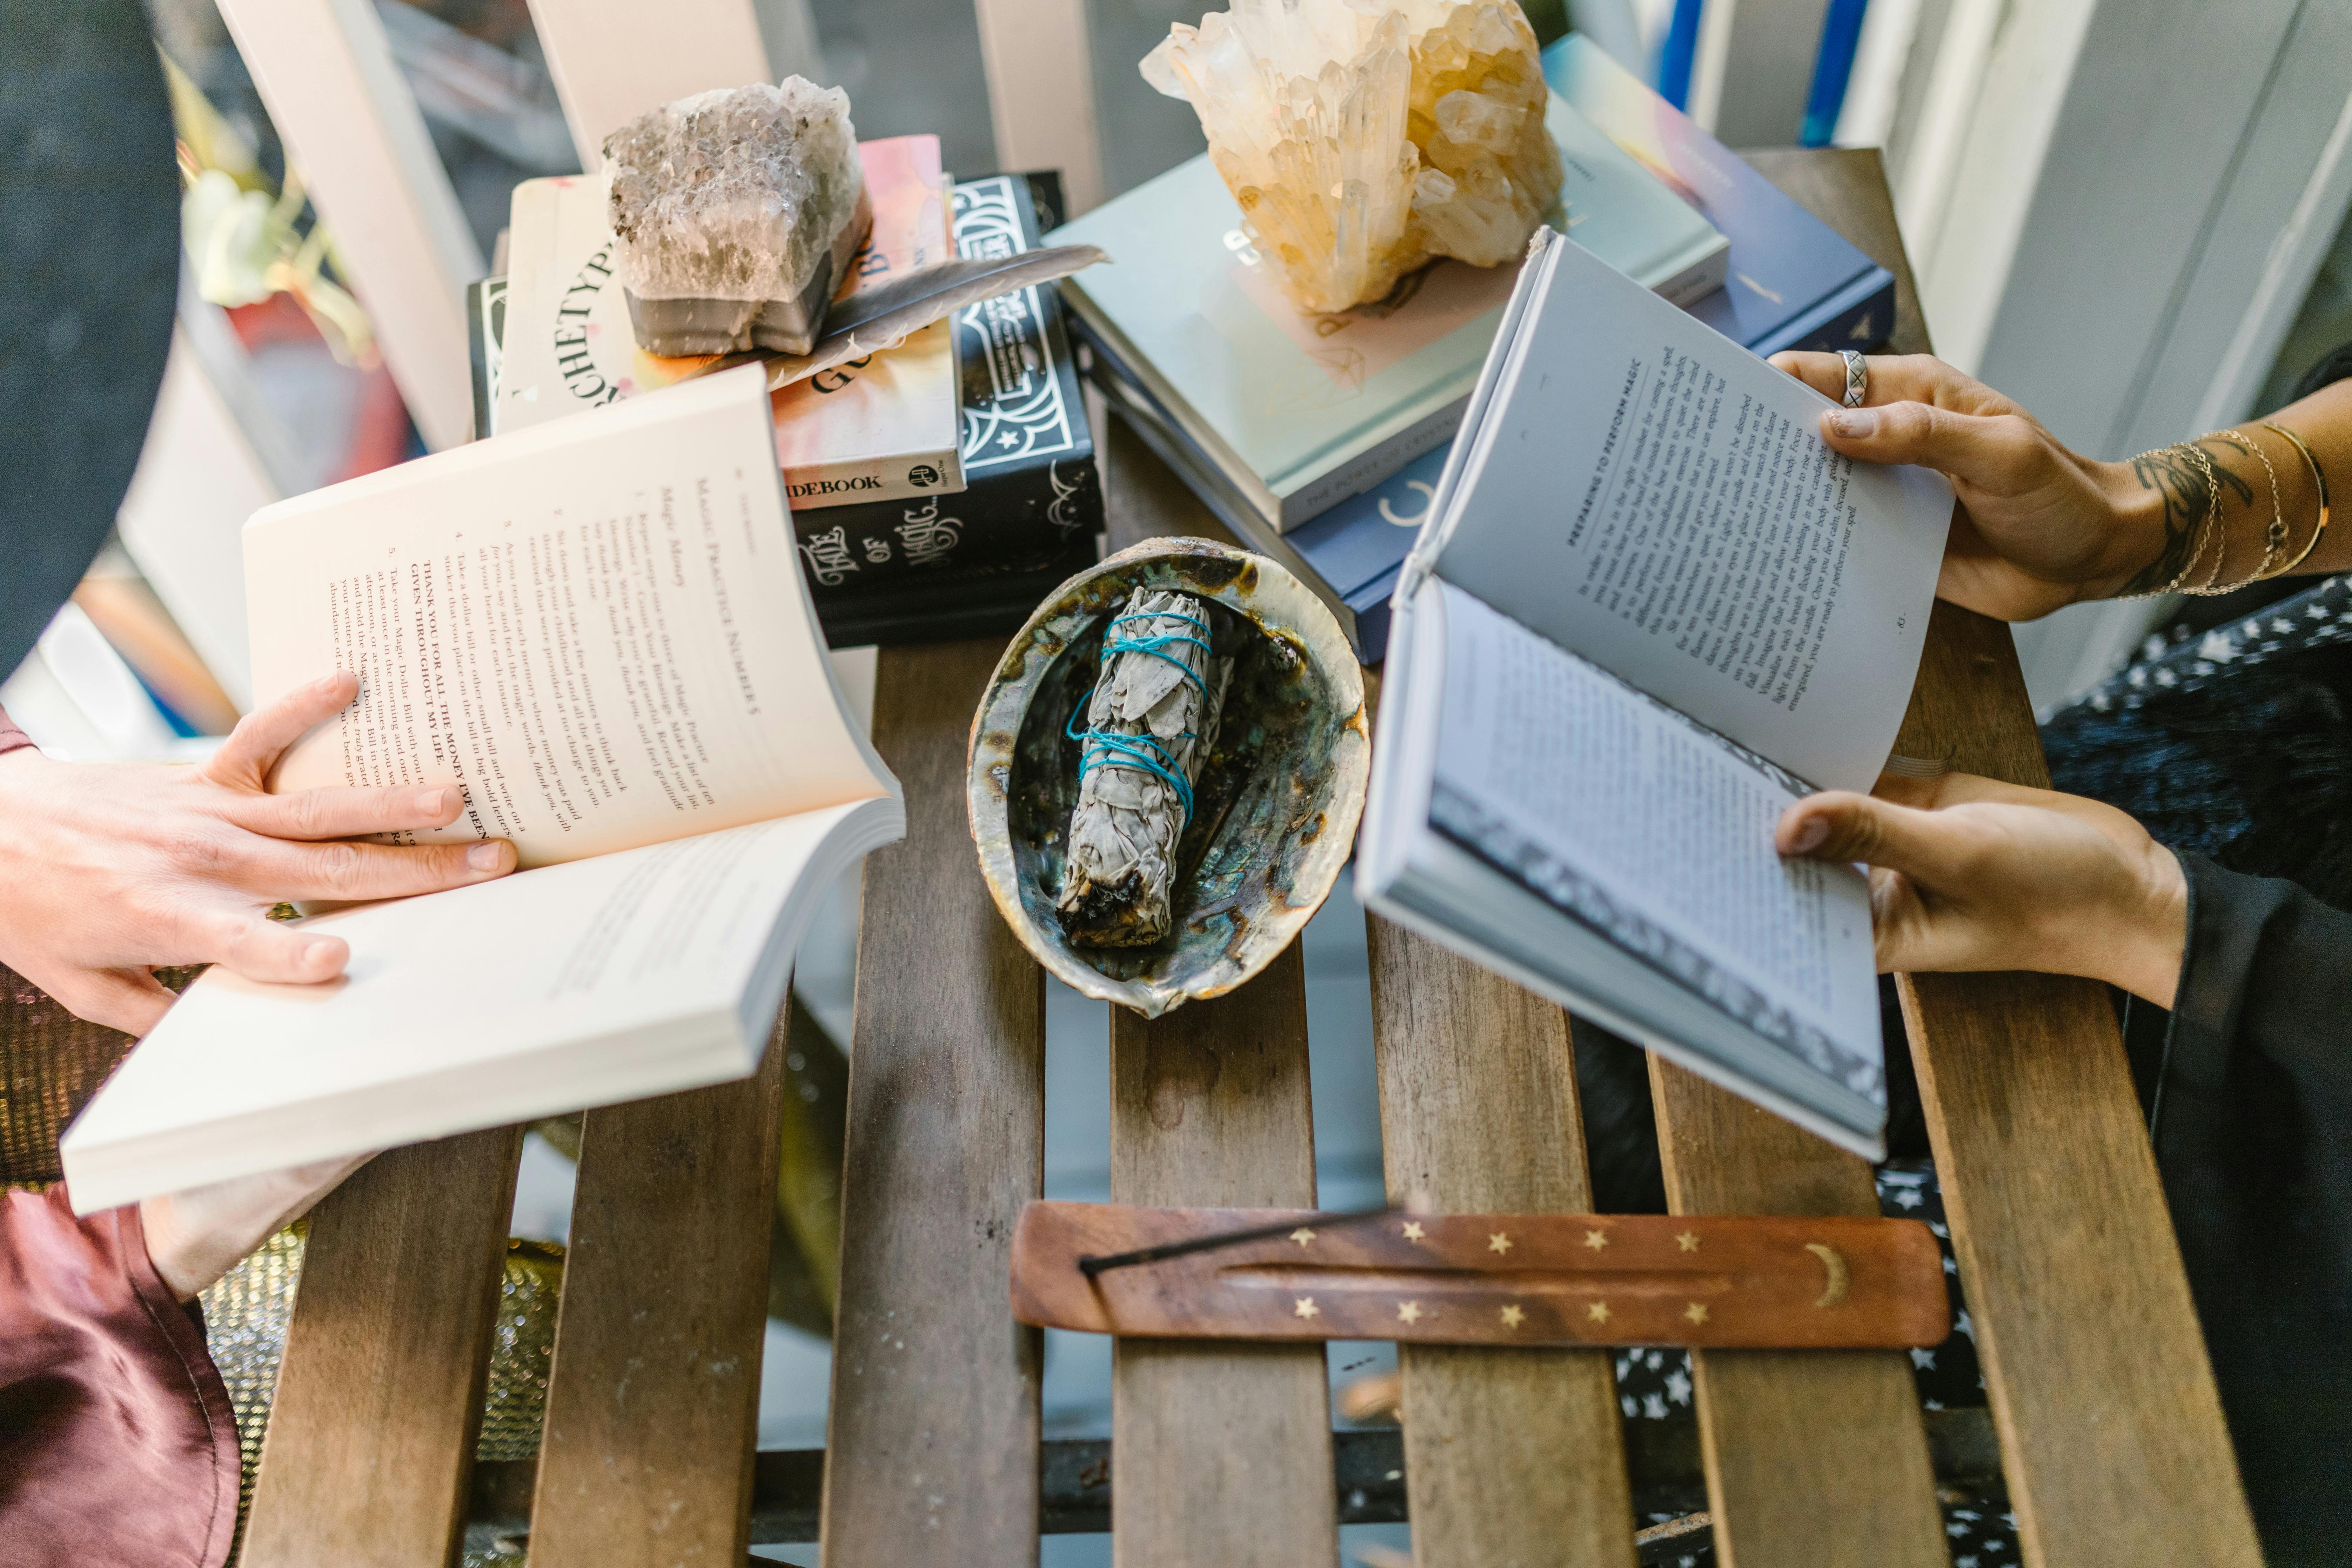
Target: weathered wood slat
{"points": [[2111, 1429], [1220, 1452], [2112, 1435], [1794, 1439], [653, 1396], [371, 1444], [1512, 1456], [1218, 1449], [934, 1428]]}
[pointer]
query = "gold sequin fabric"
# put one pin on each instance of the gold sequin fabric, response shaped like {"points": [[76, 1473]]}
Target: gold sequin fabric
{"points": [[246, 1314], [51, 1064]]}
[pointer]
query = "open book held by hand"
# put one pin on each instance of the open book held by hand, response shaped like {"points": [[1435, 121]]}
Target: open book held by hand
{"points": [[598, 627], [1648, 609]]}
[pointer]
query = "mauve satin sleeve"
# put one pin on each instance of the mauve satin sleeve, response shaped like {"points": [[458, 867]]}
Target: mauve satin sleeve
{"points": [[117, 1443], [11, 737]]}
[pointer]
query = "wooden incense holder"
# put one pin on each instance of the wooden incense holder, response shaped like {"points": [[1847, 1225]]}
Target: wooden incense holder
{"points": [[1483, 1279]]}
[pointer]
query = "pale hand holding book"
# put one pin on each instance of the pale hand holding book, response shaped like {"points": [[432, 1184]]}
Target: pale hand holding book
{"points": [[1649, 610], [600, 629]]}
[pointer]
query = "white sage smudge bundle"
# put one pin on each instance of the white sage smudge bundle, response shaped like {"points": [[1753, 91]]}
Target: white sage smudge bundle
{"points": [[1143, 736]]}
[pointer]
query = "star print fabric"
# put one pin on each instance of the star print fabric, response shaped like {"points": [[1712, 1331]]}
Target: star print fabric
{"points": [[1656, 1386]]}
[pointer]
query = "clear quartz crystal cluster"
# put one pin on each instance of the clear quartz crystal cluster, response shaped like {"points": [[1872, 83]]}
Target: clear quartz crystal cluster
{"points": [[736, 211], [1362, 138]]}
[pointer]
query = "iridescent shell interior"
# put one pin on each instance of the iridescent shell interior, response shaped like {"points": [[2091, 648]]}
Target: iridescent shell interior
{"points": [[1276, 805]]}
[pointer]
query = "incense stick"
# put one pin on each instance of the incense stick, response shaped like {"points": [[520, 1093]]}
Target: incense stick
{"points": [[1090, 1265]]}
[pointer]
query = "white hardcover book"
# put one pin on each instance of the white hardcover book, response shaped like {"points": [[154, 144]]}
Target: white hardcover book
{"points": [[1649, 610], [599, 629]]}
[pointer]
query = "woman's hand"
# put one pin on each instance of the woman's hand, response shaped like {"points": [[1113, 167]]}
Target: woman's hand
{"points": [[194, 1237], [1969, 873], [2039, 526], [108, 871]]}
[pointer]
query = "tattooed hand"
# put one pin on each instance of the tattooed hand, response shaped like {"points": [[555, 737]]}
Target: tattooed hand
{"points": [[2038, 526]]}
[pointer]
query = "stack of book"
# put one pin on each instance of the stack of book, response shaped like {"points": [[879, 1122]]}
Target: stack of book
{"points": [[939, 488], [1319, 438]]}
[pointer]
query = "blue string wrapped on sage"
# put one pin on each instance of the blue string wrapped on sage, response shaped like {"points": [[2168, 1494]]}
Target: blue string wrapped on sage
{"points": [[1143, 736]]}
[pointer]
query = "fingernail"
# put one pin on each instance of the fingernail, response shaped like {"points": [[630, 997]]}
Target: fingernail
{"points": [[430, 801], [1854, 422], [486, 856], [1810, 833], [318, 954]]}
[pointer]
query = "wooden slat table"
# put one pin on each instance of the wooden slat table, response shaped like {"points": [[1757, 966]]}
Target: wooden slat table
{"points": [[2110, 1432]]}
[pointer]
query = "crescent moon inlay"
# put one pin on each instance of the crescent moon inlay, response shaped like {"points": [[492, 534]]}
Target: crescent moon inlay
{"points": [[1833, 1266]]}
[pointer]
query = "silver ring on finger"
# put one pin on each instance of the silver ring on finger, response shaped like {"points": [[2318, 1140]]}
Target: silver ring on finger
{"points": [[1857, 377]]}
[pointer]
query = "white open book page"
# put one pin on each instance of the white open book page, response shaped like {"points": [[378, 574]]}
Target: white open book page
{"points": [[1655, 833], [1649, 494], [597, 628], [579, 984]]}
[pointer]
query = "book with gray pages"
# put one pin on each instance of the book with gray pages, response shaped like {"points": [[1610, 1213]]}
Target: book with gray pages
{"points": [[1648, 609], [598, 628]]}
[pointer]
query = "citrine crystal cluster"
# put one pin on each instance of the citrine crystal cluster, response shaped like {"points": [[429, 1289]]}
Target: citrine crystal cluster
{"points": [[1362, 138]]}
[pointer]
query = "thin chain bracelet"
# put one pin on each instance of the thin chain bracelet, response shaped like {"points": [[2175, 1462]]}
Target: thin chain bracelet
{"points": [[2274, 537], [2205, 530]]}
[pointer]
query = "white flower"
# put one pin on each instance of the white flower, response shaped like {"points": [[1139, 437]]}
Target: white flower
{"points": [[227, 231]]}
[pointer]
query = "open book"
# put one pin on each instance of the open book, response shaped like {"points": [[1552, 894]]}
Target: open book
{"points": [[1648, 610], [598, 627]]}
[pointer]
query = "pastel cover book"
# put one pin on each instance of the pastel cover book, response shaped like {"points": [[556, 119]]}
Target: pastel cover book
{"points": [[1297, 412], [1792, 282]]}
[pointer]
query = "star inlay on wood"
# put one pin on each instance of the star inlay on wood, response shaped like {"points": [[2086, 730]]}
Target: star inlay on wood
{"points": [[1598, 1311], [1499, 1242], [1305, 1307], [1696, 1311], [1412, 1231], [1409, 1312], [1513, 1317], [1688, 1241], [1596, 1239], [1302, 1235]]}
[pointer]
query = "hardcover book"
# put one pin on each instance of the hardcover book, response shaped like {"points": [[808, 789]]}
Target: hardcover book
{"points": [[875, 429], [1295, 411], [1793, 281], [1031, 489], [1349, 556], [597, 629], [1649, 610]]}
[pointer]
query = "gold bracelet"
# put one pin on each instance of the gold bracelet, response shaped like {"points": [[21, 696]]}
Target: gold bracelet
{"points": [[2206, 528], [2318, 478], [2274, 536]]}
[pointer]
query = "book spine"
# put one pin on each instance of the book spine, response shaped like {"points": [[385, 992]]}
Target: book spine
{"points": [[1360, 473], [903, 478]]}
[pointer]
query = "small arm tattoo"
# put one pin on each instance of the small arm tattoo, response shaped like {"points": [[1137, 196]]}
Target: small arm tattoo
{"points": [[2176, 473]]}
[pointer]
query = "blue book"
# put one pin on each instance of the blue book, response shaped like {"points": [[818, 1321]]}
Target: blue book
{"points": [[1794, 282]]}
